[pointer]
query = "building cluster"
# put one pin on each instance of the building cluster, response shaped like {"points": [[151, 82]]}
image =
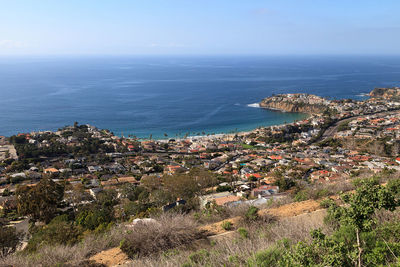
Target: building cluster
{"points": [[252, 163]]}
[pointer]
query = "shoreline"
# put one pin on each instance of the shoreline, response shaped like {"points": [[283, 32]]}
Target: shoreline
{"points": [[231, 135], [193, 137]]}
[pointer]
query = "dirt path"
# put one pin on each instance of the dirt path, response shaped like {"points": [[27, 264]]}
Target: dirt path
{"points": [[110, 257]]}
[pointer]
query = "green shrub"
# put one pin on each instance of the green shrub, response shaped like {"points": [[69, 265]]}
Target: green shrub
{"points": [[226, 225], [301, 196], [251, 213], [243, 232], [94, 217], [199, 256], [59, 231], [321, 193], [266, 258], [326, 203]]}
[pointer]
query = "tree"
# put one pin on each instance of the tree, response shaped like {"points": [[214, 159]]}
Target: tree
{"points": [[107, 198], [10, 240], [131, 191], [59, 231], [40, 202], [76, 195], [181, 185], [151, 182], [360, 207], [94, 216], [188, 185]]}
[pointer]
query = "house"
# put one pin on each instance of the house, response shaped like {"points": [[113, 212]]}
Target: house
{"points": [[130, 179], [50, 170], [20, 174], [179, 202], [172, 169], [95, 191], [264, 190], [93, 169], [110, 182]]}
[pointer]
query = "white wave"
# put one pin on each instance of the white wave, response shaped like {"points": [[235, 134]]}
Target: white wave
{"points": [[363, 94], [254, 105]]}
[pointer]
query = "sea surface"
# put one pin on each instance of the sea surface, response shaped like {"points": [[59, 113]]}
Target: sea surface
{"points": [[174, 96]]}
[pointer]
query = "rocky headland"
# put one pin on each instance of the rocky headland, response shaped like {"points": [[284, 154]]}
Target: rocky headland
{"points": [[386, 93], [304, 103]]}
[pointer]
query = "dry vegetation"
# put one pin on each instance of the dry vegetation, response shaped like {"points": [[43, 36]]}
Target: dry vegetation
{"points": [[70, 255], [235, 250], [169, 231], [174, 239]]}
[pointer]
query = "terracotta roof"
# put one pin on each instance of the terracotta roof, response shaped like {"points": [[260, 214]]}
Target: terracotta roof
{"points": [[50, 170]]}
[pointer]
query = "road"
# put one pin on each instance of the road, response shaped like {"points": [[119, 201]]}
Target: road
{"points": [[331, 131]]}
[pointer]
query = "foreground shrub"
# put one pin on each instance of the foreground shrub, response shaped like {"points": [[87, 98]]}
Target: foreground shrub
{"points": [[10, 240], [58, 232], [266, 258], [243, 232], [66, 255], [199, 256], [226, 225], [168, 232], [251, 214]]}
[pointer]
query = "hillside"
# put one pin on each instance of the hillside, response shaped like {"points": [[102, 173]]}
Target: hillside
{"points": [[386, 93], [303, 103]]}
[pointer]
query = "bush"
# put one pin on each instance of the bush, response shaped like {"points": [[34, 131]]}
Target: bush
{"points": [[199, 257], [223, 188], [266, 258], [251, 214], [226, 225], [58, 232], [94, 217], [66, 255], [10, 240], [169, 231], [326, 203], [301, 196], [243, 232]]}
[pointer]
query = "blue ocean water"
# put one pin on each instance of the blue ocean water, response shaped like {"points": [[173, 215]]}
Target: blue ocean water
{"points": [[174, 95]]}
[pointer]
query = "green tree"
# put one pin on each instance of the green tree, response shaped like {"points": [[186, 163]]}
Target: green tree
{"points": [[360, 207], [59, 231], [107, 198], [40, 202], [10, 240]]}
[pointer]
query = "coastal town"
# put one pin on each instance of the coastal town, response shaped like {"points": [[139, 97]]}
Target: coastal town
{"points": [[339, 140], [343, 138]]}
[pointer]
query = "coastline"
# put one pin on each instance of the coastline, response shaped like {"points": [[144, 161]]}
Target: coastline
{"points": [[231, 135]]}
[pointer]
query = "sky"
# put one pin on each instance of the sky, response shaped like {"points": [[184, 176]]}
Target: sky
{"points": [[199, 27]]}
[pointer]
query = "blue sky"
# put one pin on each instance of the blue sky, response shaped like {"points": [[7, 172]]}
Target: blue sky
{"points": [[199, 27]]}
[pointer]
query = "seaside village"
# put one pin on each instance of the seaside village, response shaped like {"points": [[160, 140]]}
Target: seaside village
{"points": [[345, 139]]}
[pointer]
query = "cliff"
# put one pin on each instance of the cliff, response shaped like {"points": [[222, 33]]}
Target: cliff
{"points": [[386, 93], [303, 103]]}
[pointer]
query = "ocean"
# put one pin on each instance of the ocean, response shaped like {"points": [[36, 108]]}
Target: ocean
{"points": [[174, 95]]}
